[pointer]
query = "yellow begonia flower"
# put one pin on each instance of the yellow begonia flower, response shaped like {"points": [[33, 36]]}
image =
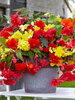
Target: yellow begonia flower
{"points": [[1, 49], [68, 53], [17, 35], [7, 50], [50, 50], [59, 51], [71, 62], [23, 45], [23, 27], [47, 27], [3, 55], [27, 35], [36, 28], [60, 61], [52, 64], [58, 19]]}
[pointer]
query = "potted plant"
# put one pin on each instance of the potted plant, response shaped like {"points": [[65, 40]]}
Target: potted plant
{"points": [[38, 47]]}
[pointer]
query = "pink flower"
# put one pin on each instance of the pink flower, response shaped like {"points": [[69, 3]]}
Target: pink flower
{"points": [[14, 60], [41, 48]]}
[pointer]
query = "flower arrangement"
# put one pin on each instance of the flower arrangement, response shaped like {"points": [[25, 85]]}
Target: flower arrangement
{"points": [[52, 39]]}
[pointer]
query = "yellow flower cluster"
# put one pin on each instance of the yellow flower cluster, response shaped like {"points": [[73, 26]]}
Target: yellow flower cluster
{"points": [[23, 27], [36, 28], [27, 35], [4, 53], [17, 35], [60, 61], [59, 51], [47, 27], [58, 19], [23, 45]]}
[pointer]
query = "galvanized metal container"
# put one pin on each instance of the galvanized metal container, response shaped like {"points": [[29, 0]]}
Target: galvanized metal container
{"points": [[40, 82]]}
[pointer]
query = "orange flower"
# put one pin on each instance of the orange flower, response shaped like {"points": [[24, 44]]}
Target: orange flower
{"points": [[67, 23], [73, 21]]}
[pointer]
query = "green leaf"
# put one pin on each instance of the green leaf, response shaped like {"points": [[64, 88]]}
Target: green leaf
{"points": [[7, 18], [52, 19], [37, 19], [8, 59], [58, 32], [74, 34], [19, 54], [12, 66], [74, 28], [37, 50], [66, 38], [23, 10], [31, 55], [74, 56], [44, 41], [25, 53], [35, 15], [53, 40], [2, 40], [71, 19]]}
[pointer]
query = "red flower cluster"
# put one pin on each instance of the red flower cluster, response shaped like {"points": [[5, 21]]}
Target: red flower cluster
{"points": [[67, 32], [10, 29], [34, 43], [10, 75], [52, 45], [30, 67], [2, 66], [40, 24], [61, 42], [12, 43], [72, 43], [44, 63], [37, 34], [50, 34], [56, 82], [30, 27], [5, 32], [54, 59], [16, 20], [68, 67], [21, 66]]}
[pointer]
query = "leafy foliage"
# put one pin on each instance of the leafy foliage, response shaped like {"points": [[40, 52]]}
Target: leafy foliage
{"points": [[52, 19], [24, 11], [31, 55], [19, 54], [66, 38], [44, 41], [8, 59], [58, 32], [2, 40]]}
